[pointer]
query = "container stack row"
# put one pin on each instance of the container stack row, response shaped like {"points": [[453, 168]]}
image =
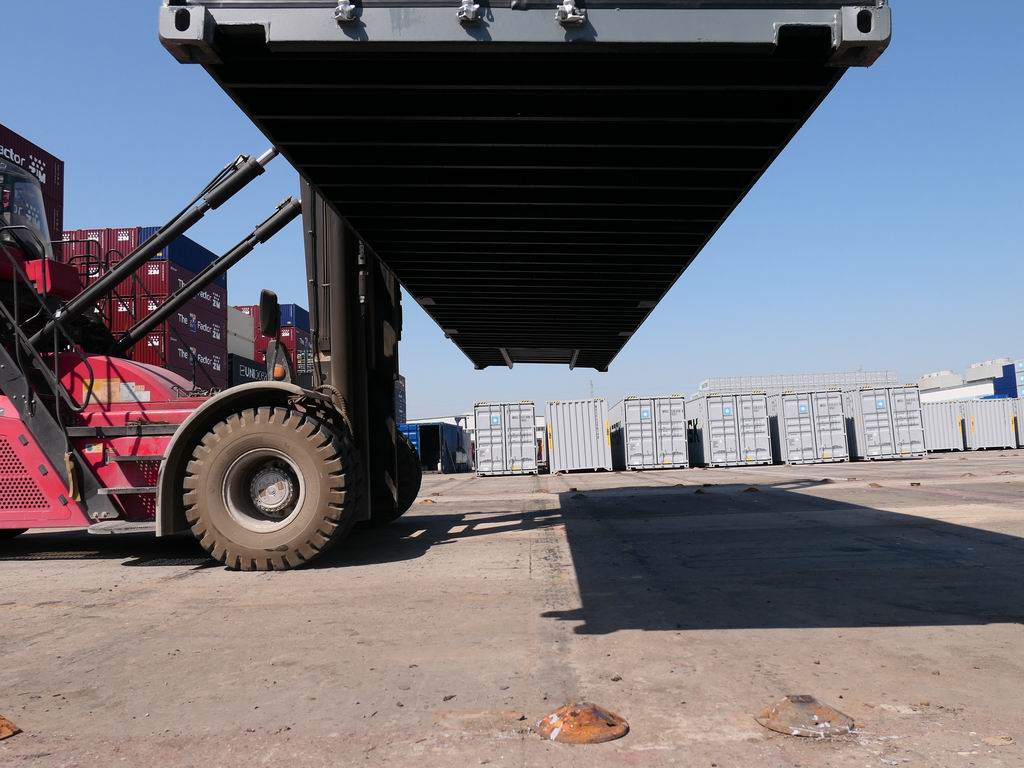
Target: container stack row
{"points": [[294, 336], [649, 433], [505, 438], [813, 427], [733, 430], [578, 435], [18, 150], [974, 425], [193, 341], [729, 430], [441, 447]]}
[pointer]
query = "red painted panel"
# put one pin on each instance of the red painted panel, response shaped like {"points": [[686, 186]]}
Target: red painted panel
{"points": [[32, 495]]}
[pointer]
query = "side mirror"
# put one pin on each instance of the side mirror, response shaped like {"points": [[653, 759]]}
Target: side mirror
{"points": [[270, 314]]}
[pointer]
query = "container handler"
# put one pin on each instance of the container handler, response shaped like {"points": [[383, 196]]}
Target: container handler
{"points": [[266, 475]]}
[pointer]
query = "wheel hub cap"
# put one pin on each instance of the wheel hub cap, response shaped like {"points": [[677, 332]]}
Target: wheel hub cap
{"points": [[273, 490]]}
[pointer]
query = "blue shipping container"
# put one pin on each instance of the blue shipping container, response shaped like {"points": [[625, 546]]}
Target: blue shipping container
{"points": [[189, 254], [441, 447], [293, 314]]}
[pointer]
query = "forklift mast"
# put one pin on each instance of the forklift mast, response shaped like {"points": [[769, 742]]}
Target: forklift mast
{"points": [[356, 323]]}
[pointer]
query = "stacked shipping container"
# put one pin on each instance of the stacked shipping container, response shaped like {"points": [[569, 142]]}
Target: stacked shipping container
{"points": [[578, 435], [943, 426], [193, 342], [241, 338], [989, 423], [45, 167], [295, 337], [808, 427], [729, 430], [649, 433], [441, 447], [505, 438], [885, 422]]}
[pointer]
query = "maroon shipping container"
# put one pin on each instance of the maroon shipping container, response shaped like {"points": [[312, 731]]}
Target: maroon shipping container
{"points": [[94, 251], [165, 349], [121, 314], [161, 278], [299, 345], [45, 167], [194, 321]]}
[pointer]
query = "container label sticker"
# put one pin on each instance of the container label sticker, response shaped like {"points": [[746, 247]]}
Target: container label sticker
{"points": [[727, 410], [880, 403], [803, 407], [495, 420], [645, 414]]}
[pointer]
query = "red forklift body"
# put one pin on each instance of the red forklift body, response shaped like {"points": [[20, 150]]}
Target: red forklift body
{"points": [[118, 394], [53, 278], [32, 494]]}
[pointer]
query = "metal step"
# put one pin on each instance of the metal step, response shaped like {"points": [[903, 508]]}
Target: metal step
{"points": [[126, 491], [131, 459], [121, 526], [133, 430]]}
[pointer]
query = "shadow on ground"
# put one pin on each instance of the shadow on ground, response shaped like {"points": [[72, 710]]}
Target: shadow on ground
{"points": [[672, 558]]}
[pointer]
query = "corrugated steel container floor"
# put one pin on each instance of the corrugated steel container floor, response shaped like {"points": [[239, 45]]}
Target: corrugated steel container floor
{"points": [[542, 185]]}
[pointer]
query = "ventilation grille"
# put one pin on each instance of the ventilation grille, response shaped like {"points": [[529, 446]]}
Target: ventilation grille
{"points": [[17, 490]]}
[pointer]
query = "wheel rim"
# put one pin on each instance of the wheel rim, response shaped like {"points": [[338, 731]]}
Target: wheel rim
{"points": [[263, 490]]}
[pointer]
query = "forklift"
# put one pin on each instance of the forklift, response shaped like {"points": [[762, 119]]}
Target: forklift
{"points": [[267, 475]]}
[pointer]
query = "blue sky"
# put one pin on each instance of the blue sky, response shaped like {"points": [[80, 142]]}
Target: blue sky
{"points": [[887, 235]]}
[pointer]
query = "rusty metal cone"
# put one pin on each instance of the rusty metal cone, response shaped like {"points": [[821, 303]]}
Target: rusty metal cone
{"points": [[582, 724], [803, 715], [7, 728]]}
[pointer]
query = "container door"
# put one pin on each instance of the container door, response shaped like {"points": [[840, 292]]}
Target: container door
{"points": [[797, 422], [639, 433], [722, 444], [490, 439], [755, 438], [521, 446], [670, 416], [830, 426], [908, 427], [878, 435]]}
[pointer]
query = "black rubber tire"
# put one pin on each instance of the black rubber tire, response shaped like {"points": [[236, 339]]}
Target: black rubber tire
{"points": [[410, 478], [330, 471], [10, 533]]}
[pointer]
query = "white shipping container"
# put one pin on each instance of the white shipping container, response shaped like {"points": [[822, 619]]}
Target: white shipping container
{"points": [[886, 423], [578, 435], [729, 430], [808, 427], [240, 324], [505, 441], [238, 345], [989, 423], [649, 433], [943, 426], [1019, 416]]}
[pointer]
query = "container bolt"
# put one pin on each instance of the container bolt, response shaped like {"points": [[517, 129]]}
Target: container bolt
{"points": [[567, 14], [345, 12], [469, 12]]}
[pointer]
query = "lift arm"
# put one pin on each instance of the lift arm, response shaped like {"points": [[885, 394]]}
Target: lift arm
{"points": [[286, 212], [223, 188]]}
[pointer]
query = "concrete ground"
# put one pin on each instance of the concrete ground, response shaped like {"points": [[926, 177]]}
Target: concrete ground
{"points": [[684, 600]]}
